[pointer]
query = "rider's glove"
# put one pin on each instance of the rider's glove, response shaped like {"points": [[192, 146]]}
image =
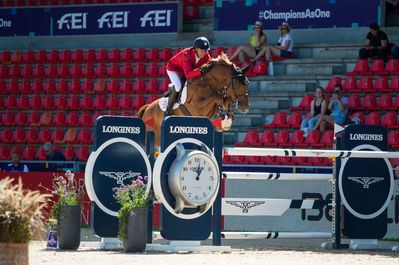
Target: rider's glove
{"points": [[205, 69]]}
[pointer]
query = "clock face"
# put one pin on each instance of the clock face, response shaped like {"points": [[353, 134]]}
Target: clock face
{"points": [[198, 178]]}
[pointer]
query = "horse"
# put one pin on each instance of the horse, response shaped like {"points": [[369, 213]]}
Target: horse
{"points": [[212, 95]]}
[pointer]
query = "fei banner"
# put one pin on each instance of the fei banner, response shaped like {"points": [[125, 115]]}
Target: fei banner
{"points": [[300, 14], [91, 19]]}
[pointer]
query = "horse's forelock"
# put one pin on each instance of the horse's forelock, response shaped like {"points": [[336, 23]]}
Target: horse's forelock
{"points": [[221, 59]]}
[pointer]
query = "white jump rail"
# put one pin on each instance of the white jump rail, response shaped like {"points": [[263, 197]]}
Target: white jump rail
{"points": [[275, 176], [243, 151]]}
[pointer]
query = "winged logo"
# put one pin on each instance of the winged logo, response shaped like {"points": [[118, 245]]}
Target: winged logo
{"points": [[317, 153], [245, 205], [120, 176], [366, 181]]}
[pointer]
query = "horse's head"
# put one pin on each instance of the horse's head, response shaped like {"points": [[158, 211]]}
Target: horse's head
{"points": [[240, 88]]}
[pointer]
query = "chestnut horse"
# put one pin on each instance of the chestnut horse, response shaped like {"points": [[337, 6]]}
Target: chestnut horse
{"points": [[212, 95]]}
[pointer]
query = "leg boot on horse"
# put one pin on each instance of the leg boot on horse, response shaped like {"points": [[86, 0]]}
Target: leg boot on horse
{"points": [[171, 100]]}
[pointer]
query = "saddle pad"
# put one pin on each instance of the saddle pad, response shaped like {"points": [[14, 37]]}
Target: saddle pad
{"points": [[163, 103]]}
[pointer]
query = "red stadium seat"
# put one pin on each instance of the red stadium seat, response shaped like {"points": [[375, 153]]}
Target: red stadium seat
{"points": [[113, 86], [266, 138], [381, 84], [294, 120], [152, 87], [392, 67], [25, 87], [112, 103], [350, 84], [327, 139], [75, 87], [4, 71], [354, 102], [298, 139], [313, 138], [70, 136], [96, 115], [6, 135], [28, 153], [126, 114], [5, 57], [191, 12], [35, 102], [15, 71], [305, 103], [139, 86], [27, 71], [46, 118], [102, 56], [217, 51], [62, 87], [63, 71], [361, 68], [16, 57], [390, 120], [73, 102], [82, 154], [125, 103], [83, 136], [164, 86], [395, 103], [113, 71], [59, 119], [99, 102], [139, 70], [365, 85], [90, 56], [283, 160], [76, 71], [72, 119], [279, 120], [140, 55], [165, 54], [368, 102], [21, 119], [41, 56], [40, 154], [282, 138], [99, 87], [374, 118], [31, 136], [385, 102], [153, 55], [360, 115], [393, 139], [152, 70], [9, 118], [101, 70], [253, 160], [57, 136], [69, 153], [88, 86], [85, 119], [16, 148], [333, 81], [39, 72], [29, 57], [86, 103], [51, 71], [150, 99], [260, 68], [300, 160], [127, 70], [138, 102], [250, 71], [4, 152], [237, 159], [67, 57], [13, 87], [3, 89], [115, 55], [162, 71], [11, 102], [251, 138], [48, 102], [23, 102], [44, 135], [34, 118], [376, 68], [126, 87], [88, 71], [127, 55], [54, 56]]}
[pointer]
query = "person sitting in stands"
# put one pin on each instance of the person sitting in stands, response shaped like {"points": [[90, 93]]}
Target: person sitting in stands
{"points": [[256, 43], [282, 49], [338, 106], [318, 107], [52, 155], [376, 43], [16, 165]]}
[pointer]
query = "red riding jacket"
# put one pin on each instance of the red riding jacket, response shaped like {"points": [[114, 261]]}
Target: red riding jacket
{"points": [[184, 63]]}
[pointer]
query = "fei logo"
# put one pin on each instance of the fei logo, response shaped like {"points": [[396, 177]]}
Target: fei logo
{"points": [[73, 21], [117, 19], [157, 18]]}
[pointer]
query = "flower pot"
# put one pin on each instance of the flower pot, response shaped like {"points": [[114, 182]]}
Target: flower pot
{"points": [[14, 253], [136, 231], [69, 227]]}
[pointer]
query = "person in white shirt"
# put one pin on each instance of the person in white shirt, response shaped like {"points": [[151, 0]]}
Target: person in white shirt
{"points": [[282, 49]]}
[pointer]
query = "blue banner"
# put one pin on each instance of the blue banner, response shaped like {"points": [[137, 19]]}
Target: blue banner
{"points": [[300, 14], [91, 19]]}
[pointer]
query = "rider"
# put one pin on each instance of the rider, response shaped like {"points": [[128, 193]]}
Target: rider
{"points": [[188, 63]]}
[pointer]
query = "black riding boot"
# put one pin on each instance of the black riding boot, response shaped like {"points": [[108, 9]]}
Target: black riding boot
{"points": [[171, 100]]}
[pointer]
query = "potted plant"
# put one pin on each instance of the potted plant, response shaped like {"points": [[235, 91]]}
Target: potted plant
{"points": [[133, 214], [21, 220], [66, 211]]}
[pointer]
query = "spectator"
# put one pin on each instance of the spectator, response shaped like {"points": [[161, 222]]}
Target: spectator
{"points": [[376, 43], [318, 107], [52, 155], [16, 165], [395, 52], [282, 49], [338, 107], [255, 44]]}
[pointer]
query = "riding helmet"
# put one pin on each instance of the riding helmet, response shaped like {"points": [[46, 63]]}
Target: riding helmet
{"points": [[202, 43]]}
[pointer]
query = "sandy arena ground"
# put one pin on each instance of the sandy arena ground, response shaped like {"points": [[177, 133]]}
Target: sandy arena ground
{"points": [[254, 252]]}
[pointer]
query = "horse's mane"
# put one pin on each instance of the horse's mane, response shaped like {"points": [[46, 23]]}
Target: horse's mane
{"points": [[221, 59]]}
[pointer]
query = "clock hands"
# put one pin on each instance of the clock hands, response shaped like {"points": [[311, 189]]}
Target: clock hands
{"points": [[199, 170]]}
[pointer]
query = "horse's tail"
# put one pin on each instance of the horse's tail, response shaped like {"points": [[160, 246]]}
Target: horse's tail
{"points": [[141, 111]]}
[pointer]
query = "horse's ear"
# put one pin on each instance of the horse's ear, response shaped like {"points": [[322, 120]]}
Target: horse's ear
{"points": [[245, 69]]}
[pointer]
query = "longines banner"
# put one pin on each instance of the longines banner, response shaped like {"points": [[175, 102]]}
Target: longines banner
{"points": [[91, 19], [300, 14]]}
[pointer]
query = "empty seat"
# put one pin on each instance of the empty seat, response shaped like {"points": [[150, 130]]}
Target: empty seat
{"points": [[385, 102], [48, 102], [27, 71], [260, 68], [126, 86], [69, 153], [165, 54], [350, 84], [127, 70], [361, 68], [113, 86], [95, 116], [82, 154], [65, 57], [153, 55], [140, 55], [41, 56], [374, 118], [11, 102], [88, 86], [127, 55], [369, 102], [112, 103], [99, 102], [113, 71], [125, 103], [88, 71], [50, 87], [25, 87], [28, 153], [39, 71], [40, 154], [44, 135], [63, 71], [313, 138], [72, 119], [139, 70], [13, 87], [393, 139], [34, 118], [390, 120], [59, 119], [70, 135], [354, 101], [298, 139], [83, 136], [152, 87], [294, 120], [250, 69], [77, 56], [138, 102], [57, 136], [31, 136], [62, 87], [75, 87], [35, 102], [150, 99], [46, 118], [21, 119], [365, 85], [279, 120], [5, 57], [85, 119], [76, 71], [102, 56], [164, 86], [6, 135], [23, 102], [4, 152], [9, 118], [17, 57], [51, 71], [54, 57], [86, 103], [152, 70], [15, 71], [376, 68], [282, 138], [115, 55], [101, 70], [4, 71], [305, 103], [381, 84], [90, 56], [392, 67], [73, 102], [139, 86], [29, 57], [162, 71], [251, 138]]}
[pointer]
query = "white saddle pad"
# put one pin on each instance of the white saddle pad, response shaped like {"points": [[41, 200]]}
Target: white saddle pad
{"points": [[163, 103]]}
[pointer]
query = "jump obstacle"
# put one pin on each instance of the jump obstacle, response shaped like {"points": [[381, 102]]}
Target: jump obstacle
{"points": [[177, 227]]}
